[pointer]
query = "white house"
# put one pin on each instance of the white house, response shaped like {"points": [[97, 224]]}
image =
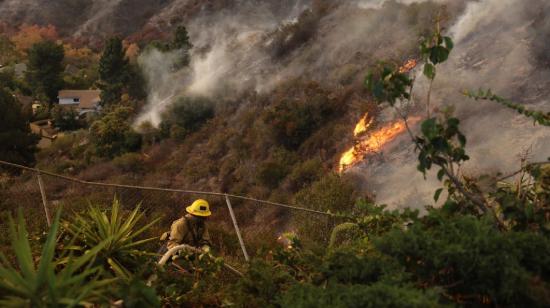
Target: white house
{"points": [[84, 101]]}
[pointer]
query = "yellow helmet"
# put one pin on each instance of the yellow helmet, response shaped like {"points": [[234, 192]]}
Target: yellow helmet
{"points": [[199, 208]]}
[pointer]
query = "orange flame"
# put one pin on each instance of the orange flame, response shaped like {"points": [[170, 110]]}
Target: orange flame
{"points": [[408, 66], [362, 126], [372, 144]]}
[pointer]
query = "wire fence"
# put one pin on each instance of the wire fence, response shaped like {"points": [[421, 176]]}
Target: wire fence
{"points": [[239, 225]]}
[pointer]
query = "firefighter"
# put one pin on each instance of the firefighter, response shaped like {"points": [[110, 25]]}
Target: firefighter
{"points": [[189, 229]]}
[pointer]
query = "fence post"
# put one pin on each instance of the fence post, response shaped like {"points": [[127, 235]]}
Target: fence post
{"points": [[236, 227], [44, 200]]}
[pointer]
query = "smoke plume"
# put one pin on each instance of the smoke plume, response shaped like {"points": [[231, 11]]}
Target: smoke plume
{"points": [[495, 48]]}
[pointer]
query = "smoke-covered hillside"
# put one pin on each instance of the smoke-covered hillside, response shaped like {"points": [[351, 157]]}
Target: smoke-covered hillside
{"points": [[100, 18], [499, 46], [255, 45], [300, 153]]}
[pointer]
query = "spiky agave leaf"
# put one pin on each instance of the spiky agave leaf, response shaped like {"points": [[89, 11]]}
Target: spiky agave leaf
{"points": [[122, 250], [76, 283]]}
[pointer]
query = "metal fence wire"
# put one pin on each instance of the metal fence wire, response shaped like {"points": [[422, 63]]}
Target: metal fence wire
{"points": [[239, 225]]}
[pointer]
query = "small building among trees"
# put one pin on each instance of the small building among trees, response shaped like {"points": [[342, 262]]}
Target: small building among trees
{"points": [[83, 101], [45, 130]]}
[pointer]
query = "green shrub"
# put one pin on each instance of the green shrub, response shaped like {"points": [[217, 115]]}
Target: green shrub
{"points": [[261, 286], [344, 235], [196, 285], [345, 296], [65, 119], [17, 142], [293, 120], [121, 233], [331, 193], [187, 115], [129, 162], [112, 135], [272, 172], [177, 132], [293, 35], [304, 174], [472, 259], [354, 265], [52, 283]]}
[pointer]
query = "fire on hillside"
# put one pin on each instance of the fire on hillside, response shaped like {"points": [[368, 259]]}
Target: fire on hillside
{"points": [[373, 143], [366, 144]]}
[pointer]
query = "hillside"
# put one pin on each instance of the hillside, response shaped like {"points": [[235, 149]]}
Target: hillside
{"points": [[97, 19]]}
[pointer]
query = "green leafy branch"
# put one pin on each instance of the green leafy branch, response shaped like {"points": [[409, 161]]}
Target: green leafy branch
{"points": [[388, 84], [434, 50], [441, 143], [538, 116]]}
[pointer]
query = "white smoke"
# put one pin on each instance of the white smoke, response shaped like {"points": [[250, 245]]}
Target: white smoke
{"points": [[378, 4], [100, 11], [163, 83], [492, 50], [233, 60]]}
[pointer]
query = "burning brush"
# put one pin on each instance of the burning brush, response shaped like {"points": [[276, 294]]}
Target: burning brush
{"points": [[366, 144], [369, 144]]}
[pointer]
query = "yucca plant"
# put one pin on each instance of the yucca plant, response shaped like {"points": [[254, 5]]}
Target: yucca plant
{"points": [[50, 284], [121, 232]]}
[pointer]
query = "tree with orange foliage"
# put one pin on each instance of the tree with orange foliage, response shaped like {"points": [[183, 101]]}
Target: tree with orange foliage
{"points": [[29, 35], [132, 52]]}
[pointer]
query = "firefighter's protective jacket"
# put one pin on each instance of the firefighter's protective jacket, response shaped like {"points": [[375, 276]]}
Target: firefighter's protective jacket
{"points": [[189, 230]]}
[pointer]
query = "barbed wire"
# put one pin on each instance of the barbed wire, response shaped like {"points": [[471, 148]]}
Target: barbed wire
{"points": [[36, 191], [196, 192]]}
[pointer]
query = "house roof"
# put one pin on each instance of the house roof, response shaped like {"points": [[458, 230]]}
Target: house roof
{"points": [[88, 99]]}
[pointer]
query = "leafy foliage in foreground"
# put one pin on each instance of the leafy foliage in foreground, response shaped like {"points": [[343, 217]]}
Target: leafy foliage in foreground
{"points": [[49, 284], [437, 260], [119, 232]]}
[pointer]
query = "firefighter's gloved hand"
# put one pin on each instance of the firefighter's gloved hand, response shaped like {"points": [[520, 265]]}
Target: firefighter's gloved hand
{"points": [[205, 249]]}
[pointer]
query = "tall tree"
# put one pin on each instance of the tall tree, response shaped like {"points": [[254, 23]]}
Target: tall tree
{"points": [[182, 44], [113, 71], [45, 69], [17, 143], [181, 39]]}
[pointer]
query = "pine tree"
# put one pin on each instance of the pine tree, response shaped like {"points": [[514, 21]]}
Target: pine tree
{"points": [[113, 71], [45, 69], [17, 143], [181, 39], [182, 44]]}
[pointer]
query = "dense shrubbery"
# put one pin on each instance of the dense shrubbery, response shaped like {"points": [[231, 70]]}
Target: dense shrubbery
{"points": [[185, 116], [129, 162], [293, 35], [17, 143], [332, 193], [112, 135], [293, 119], [66, 119]]}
